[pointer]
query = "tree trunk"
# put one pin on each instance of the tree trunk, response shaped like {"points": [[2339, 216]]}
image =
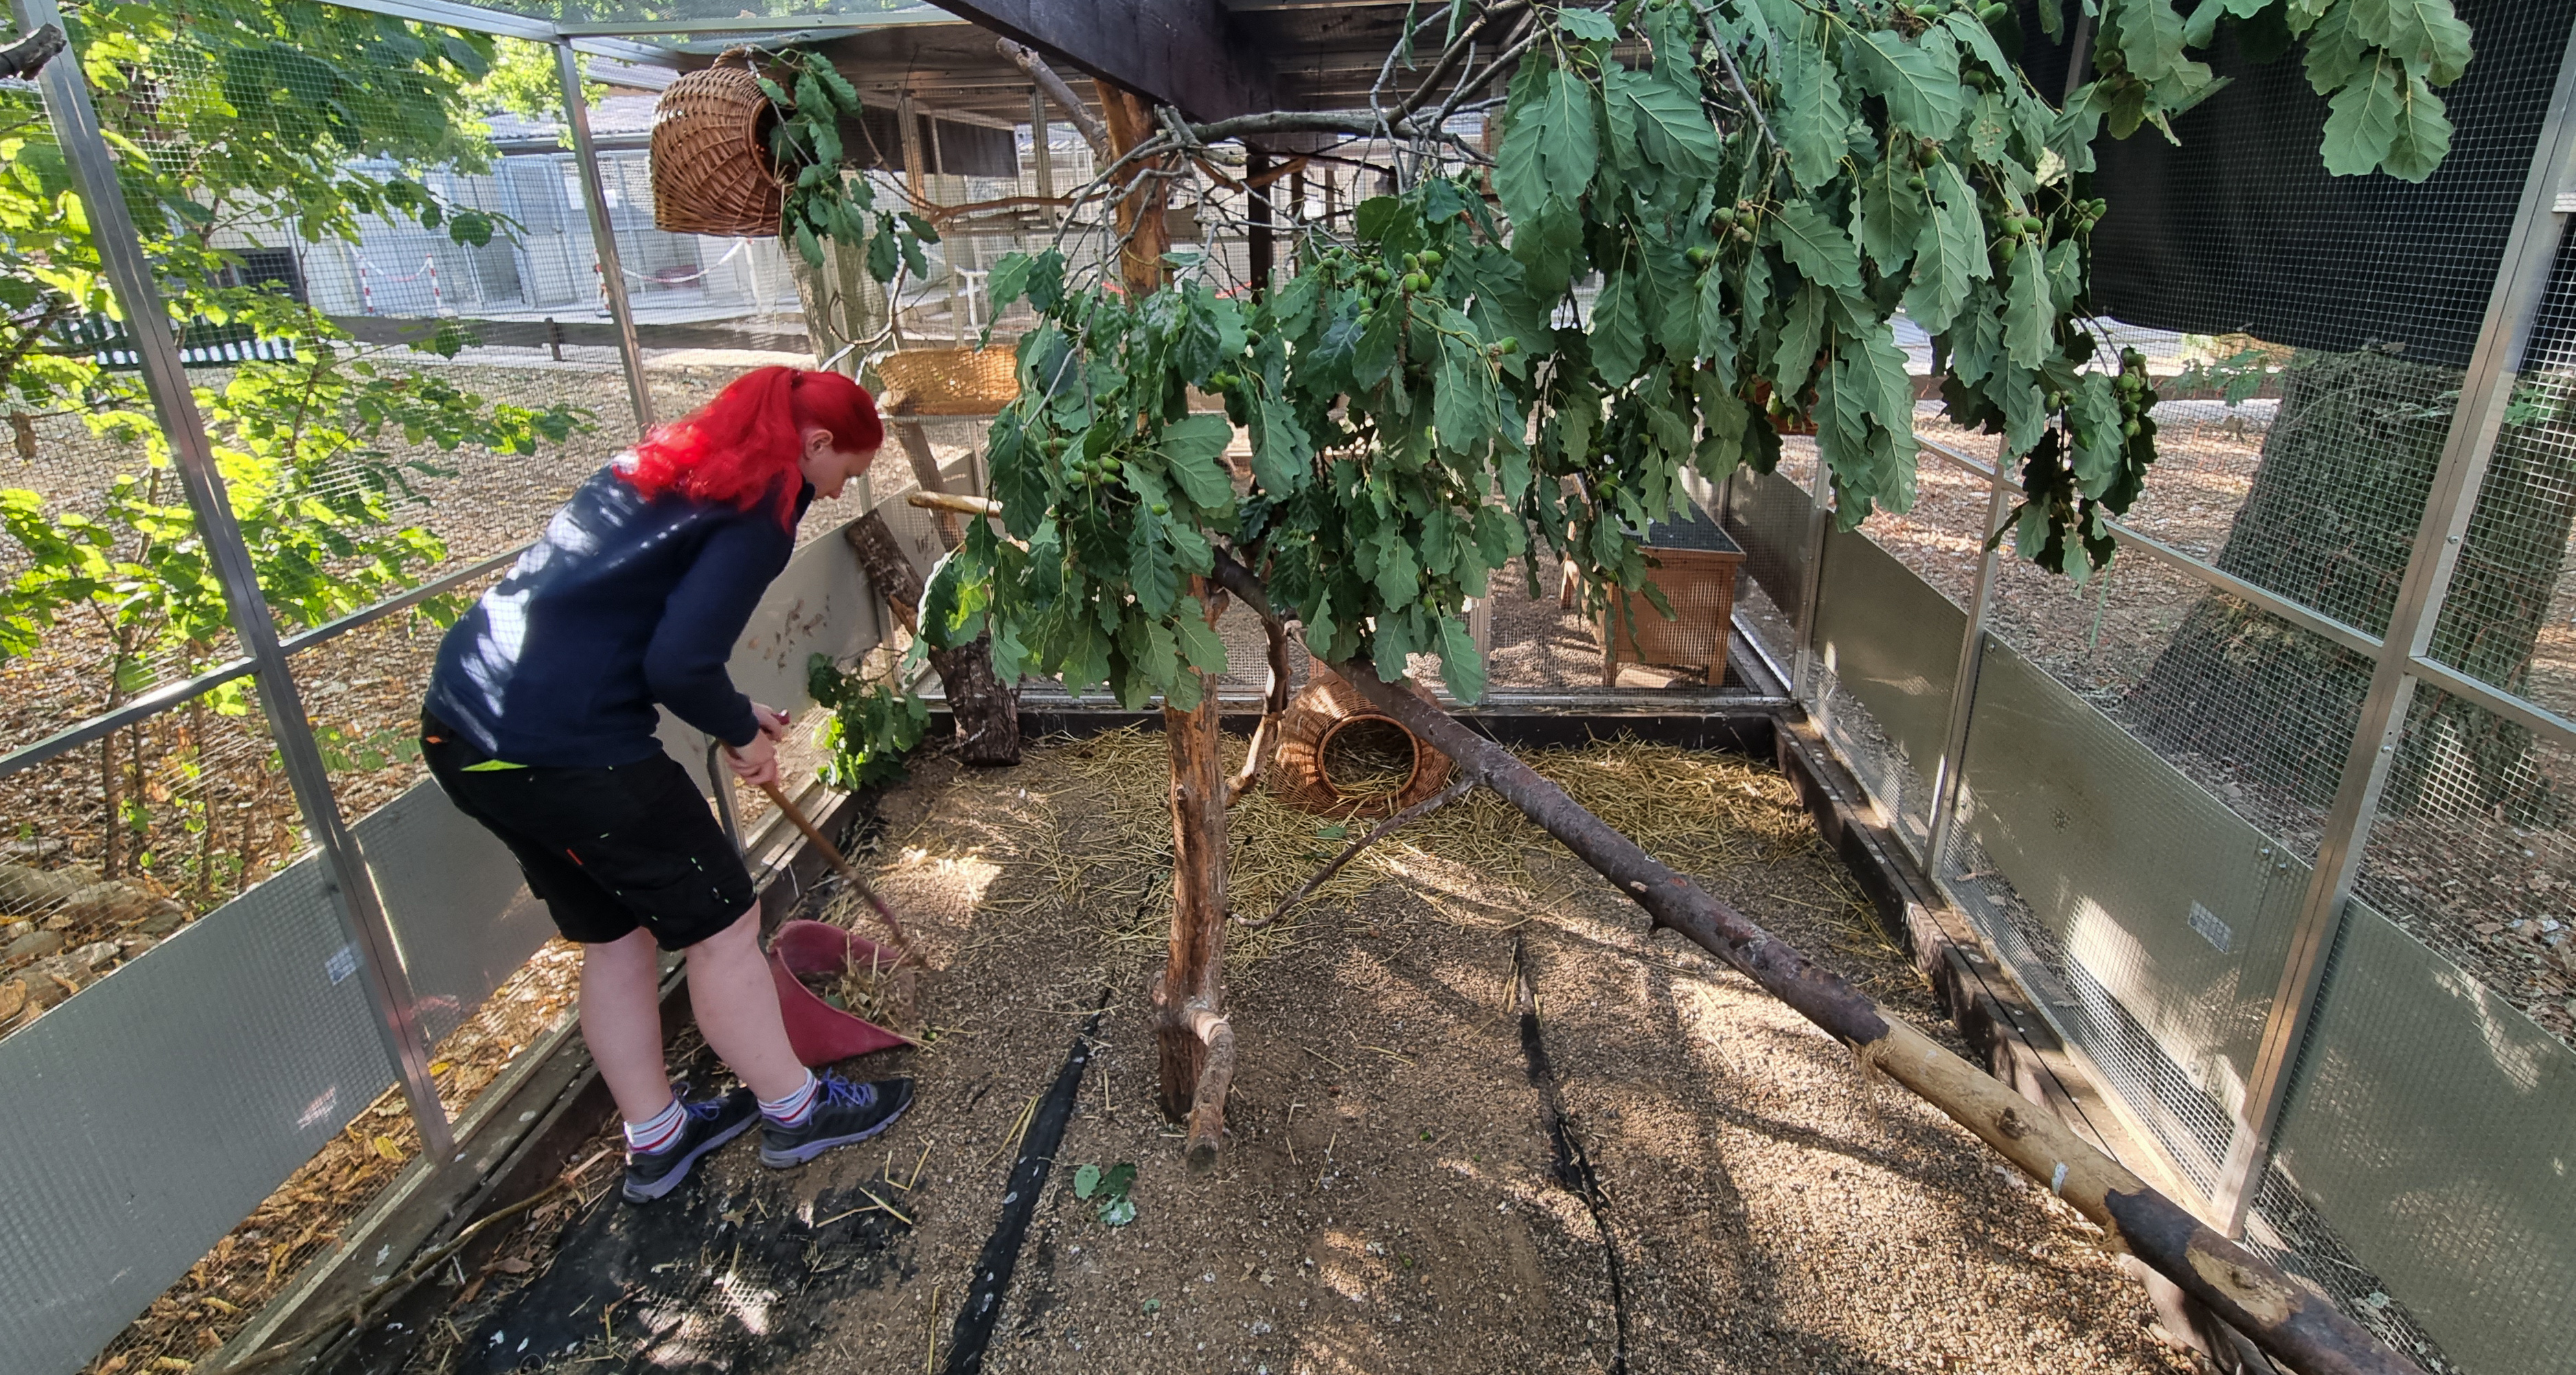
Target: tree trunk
{"points": [[986, 709], [2329, 522], [2304, 1329], [1139, 214], [1189, 997], [1194, 1044]]}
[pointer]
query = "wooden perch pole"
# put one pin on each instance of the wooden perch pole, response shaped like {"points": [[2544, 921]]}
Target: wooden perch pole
{"points": [[950, 501], [2301, 1328]]}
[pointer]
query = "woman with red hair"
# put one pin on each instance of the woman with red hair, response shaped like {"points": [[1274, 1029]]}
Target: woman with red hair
{"points": [[540, 724]]}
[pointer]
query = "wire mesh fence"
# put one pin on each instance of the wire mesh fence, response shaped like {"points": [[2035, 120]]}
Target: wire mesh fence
{"points": [[2149, 714]]}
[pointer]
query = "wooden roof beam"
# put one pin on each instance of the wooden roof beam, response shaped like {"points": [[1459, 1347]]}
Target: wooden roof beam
{"points": [[1184, 53]]}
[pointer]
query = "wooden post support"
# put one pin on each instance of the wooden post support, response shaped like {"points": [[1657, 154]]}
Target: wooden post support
{"points": [[908, 132], [1256, 167], [1138, 215]]}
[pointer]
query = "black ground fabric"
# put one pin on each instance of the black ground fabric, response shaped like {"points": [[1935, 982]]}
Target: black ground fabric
{"points": [[714, 1278], [2241, 230], [1001, 1255]]}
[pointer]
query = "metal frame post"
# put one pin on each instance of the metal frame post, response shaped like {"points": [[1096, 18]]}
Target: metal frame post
{"points": [[1963, 687], [603, 233], [1042, 153], [147, 319], [1811, 579], [2522, 279]]}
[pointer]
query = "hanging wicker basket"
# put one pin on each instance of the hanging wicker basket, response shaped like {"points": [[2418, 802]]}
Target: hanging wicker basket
{"points": [[712, 172]]}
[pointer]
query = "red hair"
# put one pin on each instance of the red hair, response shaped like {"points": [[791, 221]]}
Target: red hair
{"points": [[742, 448]]}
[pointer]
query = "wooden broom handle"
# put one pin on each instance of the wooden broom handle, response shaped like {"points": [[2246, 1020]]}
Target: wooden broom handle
{"points": [[843, 867]]}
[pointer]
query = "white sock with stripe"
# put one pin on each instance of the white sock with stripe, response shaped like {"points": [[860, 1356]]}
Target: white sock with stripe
{"points": [[656, 1133], [794, 1109]]}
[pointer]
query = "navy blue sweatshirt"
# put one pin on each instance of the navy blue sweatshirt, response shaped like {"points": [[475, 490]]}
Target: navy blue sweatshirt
{"points": [[624, 603]]}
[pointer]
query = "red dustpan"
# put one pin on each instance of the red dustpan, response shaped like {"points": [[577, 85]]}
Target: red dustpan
{"points": [[821, 1033]]}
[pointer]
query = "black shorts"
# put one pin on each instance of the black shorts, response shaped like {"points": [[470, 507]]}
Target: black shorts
{"points": [[608, 849]]}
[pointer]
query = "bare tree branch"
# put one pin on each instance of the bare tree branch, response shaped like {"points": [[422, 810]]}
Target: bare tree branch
{"points": [[1058, 93]]}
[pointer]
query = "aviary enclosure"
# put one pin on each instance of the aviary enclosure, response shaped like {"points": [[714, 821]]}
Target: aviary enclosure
{"points": [[2140, 426]]}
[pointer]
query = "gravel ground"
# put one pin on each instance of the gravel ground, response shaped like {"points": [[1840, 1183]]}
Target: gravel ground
{"points": [[1385, 1201]]}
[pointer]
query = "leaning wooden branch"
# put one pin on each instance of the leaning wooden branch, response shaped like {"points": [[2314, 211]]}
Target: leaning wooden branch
{"points": [[1059, 94], [28, 56], [1388, 827], [2301, 1328]]}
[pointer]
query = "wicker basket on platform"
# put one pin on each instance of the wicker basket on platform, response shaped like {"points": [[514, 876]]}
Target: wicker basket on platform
{"points": [[712, 172], [924, 382]]}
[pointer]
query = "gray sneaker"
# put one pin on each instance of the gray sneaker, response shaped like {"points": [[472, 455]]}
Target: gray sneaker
{"points": [[844, 1114], [711, 1123]]}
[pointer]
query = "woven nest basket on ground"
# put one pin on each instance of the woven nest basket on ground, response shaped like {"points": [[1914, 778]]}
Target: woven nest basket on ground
{"points": [[711, 168], [1328, 713]]}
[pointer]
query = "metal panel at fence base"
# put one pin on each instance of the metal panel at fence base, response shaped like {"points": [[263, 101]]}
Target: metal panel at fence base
{"points": [[1767, 514], [1888, 643], [148, 1116], [460, 910], [2172, 913], [2428, 1120], [821, 604]]}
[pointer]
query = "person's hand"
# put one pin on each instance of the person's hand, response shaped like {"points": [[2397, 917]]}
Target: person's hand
{"points": [[773, 722], [757, 762]]}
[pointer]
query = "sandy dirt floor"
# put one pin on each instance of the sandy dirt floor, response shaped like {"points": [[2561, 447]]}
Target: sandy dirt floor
{"points": [[1389, 1198]]}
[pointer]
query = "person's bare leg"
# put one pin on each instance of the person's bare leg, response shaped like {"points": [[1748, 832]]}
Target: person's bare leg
{"points": [[621, 1022], [737, 1009]]}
